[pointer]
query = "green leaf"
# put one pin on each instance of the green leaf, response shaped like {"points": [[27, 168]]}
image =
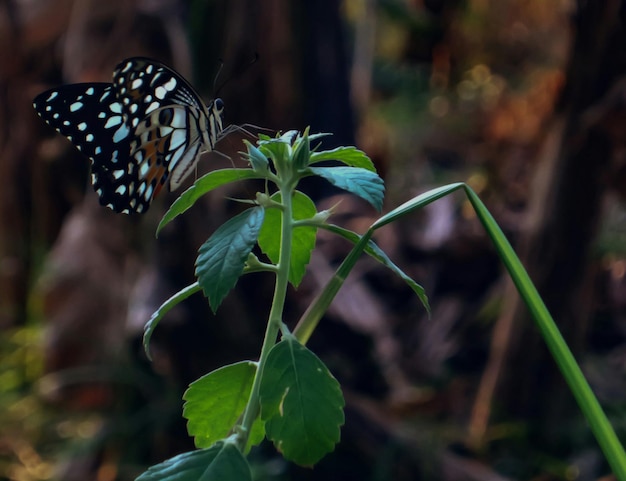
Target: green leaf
{"points": [[215, 402], [303, 236], [301, 403], [362, 182], [275, 149], [319, 135], [222, 257], [302, 152], [221, 462], [257, 159], [377, 253], [348, 155], [164, 309], [204, 184]]}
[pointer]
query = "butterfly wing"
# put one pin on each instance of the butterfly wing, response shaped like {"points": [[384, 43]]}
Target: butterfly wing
{"points": [[146, 127], [171, 121], [90, 116]]}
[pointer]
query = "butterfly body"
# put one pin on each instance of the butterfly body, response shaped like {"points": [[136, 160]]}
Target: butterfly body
{"points": [[146, 127]]}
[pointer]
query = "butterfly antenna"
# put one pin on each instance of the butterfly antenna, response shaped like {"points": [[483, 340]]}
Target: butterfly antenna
{"points": [[242, 70], [217, 75]]}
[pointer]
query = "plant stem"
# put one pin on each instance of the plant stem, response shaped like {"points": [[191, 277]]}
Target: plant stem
{"points": [[276, 313]]}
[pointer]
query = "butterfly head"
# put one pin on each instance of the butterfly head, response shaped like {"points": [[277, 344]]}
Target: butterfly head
{"points": [[215, 121]]}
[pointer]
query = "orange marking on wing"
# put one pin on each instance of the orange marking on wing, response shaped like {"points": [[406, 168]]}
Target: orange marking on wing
{"points": [[156, 171]]}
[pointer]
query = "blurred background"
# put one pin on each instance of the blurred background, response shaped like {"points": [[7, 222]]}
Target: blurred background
{"points": [[525, 100]]}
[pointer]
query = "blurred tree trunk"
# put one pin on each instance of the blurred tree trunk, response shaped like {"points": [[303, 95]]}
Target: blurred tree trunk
{"points": [[564, 214], [16, 153]]}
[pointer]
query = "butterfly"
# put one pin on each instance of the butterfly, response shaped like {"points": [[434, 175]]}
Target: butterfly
{"points": [[146, 127]]}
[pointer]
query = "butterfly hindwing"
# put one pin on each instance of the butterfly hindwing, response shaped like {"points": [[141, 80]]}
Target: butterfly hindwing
{"points": [[86, 114], [90, 116]]}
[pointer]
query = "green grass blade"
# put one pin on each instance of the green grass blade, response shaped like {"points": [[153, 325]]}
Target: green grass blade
{"points": [[311, 317], [574, 377], [416, 203], [588, 403]]}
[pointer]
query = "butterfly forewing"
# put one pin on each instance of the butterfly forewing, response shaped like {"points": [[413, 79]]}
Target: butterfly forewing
{"points": [[90, 116], [146, 127], [167, 114]]}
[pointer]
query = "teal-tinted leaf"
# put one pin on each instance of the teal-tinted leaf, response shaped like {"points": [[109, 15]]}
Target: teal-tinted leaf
{"points": [[164, 309], [222, 257], [319, 135], [204, 184], [221, 462], [377, 253], [288, 136], [215, 402], [301, 403], [362, 182], [303, 237], [348, 155], [257, 159]]}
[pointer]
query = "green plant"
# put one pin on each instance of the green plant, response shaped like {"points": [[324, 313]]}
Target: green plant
{"points": [[288, 395]]}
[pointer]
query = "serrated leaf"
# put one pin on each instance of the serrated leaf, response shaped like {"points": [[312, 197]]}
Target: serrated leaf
{"points": [[257, 159], [204, 184], [215, 402], [377, 253], [301, 403], [348, 155], [221, 462], [303, 236], [164, 309], [222, 257], [362, 182]]}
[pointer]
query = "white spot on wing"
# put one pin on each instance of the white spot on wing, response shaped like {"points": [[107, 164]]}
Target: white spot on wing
{"points": [[120, 134], [160, 92], [152, 106], [170, 84], [113, 121]]}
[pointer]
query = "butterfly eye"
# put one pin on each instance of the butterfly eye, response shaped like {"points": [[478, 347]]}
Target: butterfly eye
{"points": [[147, 126]]}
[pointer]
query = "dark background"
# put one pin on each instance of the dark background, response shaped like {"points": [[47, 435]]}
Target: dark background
{"points": [[524, 100]]}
